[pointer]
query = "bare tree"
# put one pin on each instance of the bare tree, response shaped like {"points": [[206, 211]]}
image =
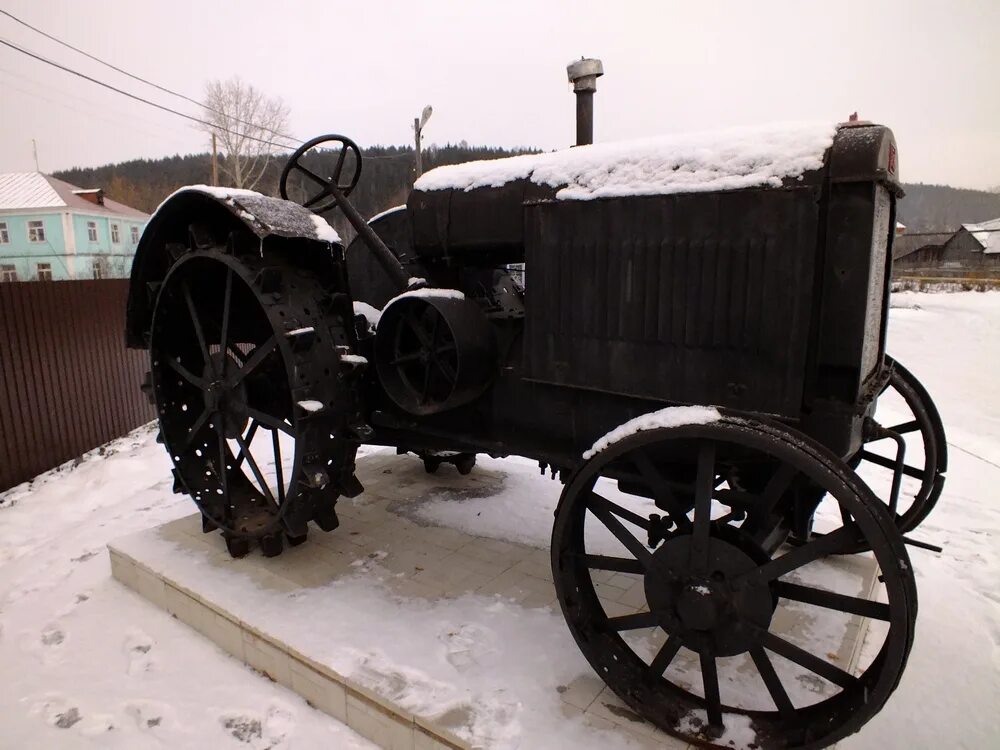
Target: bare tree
{"points": [[246, 123]]}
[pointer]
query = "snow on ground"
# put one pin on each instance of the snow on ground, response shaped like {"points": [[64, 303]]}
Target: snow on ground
{"points": [[96, 666], [88, 664]]}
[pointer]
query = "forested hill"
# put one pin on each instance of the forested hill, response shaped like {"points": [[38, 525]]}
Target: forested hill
{"points": [[386, 179], [388, 176], [940, 208]]}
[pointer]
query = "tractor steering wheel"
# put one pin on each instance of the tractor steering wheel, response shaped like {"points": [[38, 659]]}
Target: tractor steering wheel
{"points": [[330, 187]]}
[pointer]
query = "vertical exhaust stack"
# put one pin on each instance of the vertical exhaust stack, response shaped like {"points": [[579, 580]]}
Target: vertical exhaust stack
{"points": [[583, 74]]}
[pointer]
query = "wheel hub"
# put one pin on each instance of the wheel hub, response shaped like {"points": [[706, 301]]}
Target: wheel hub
{"points": [[708, 609], [223, 399]]}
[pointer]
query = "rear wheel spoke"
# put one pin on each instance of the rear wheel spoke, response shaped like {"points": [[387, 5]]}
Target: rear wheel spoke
{"points": [[199, 332], [248, 438], [778, 485], [192, 435], [185, 373], [278, 470], [253, 361], [271, 421], [258, 474]]}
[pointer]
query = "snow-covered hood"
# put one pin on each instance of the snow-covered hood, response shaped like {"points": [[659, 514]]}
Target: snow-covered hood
{"points": [[708, 161]]}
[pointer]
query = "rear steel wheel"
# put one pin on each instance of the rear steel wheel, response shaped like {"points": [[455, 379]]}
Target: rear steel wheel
{"points": [[253, 398], [675, 585]]}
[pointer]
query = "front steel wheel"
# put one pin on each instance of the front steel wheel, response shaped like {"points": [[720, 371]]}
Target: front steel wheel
{"points": [[676, 585]]}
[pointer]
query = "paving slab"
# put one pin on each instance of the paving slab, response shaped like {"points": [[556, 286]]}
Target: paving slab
{"points": [[408, 631]]}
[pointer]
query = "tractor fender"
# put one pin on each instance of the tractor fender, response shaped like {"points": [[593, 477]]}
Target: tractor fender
{"points": [[197, 215]]}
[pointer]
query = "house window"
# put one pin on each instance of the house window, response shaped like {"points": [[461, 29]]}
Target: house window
{"points": [[100, 268], [36, 231], [115, 238], [8, 273], [92, 231], [45, 272], [4, 234], [135, 235]]}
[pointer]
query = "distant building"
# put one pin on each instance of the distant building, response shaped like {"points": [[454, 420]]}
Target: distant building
{"points": [[973, 250], [52, 231]]}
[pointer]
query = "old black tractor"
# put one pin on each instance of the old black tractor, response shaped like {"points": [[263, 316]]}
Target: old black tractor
{"points": [[699, 363]]}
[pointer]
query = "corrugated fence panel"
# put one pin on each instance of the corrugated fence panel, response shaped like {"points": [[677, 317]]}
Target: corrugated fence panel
{"points": [[67, 382]]}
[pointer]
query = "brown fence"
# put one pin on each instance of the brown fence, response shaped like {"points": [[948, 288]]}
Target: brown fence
{"points": [[67, 382]]}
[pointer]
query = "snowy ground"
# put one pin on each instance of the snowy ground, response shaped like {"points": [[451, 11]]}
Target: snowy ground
{"points": [[81, 654]]}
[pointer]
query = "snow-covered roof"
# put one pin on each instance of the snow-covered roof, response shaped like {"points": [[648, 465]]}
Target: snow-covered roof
{"points": [[708, 161], [29, 190], [987, 234]]}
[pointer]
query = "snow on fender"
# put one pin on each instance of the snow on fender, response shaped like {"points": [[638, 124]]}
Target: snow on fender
{"points": [[672, 416]]}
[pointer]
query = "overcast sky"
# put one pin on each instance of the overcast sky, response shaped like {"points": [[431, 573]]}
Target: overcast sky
{"points": [[495, 72]]}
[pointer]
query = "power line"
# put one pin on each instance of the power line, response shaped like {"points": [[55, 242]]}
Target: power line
{"points": [[139, 98], [146, 81], [169, 91], [164, 107]]}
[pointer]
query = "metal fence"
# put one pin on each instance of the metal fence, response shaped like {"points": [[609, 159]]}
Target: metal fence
{"points": [[67, 382]]}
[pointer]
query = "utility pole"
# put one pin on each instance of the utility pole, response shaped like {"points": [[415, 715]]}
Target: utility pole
{"points": [[34, 152], [418, 129], [215, 163]]}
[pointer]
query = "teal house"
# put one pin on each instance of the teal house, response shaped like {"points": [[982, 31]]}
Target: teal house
{"points": [[53, 231]]}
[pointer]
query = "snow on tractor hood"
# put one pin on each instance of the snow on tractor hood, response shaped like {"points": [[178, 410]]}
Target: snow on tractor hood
{"points": [[708, 161], [264, 215]]}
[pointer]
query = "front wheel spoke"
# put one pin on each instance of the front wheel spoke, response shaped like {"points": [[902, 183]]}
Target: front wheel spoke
{"points": [[710, 681], [185, 373], [258, 475], [599, 507], [665, 656], [253, 361], [447, 370], [192, 435], [270, 421], [633, 621], [778, 485], [617, 564], [819, 546], [904, 427], [625, 513], [773, 683], [704, 486], [890, 463], [813, 663], [830, 600], [663, 495]]}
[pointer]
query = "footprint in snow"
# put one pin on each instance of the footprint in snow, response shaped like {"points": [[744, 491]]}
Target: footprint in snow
{"points": [[467, 644], [56, 710], [149, 715], [267, 733], [137, 647]]}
